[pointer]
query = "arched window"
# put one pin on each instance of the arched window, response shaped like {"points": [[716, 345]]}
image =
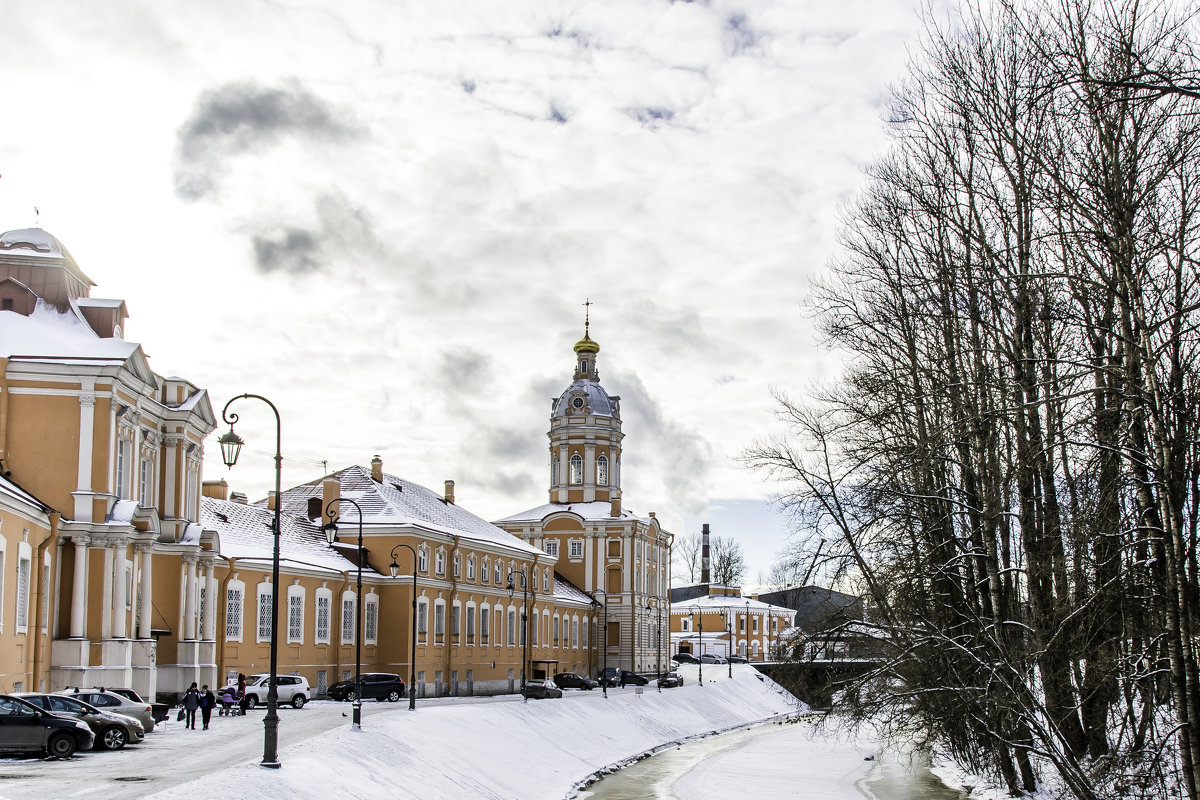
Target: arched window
{"points": [[602, 471], [583, 367], [576, 468], [554, 471]]}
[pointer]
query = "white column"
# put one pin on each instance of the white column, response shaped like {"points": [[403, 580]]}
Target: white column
{"points": [[210, 603], [189, 597], [119, 629], [106, 594], [564, 475], [170, 489], [147, 561], [79, 590], [87, 427]]}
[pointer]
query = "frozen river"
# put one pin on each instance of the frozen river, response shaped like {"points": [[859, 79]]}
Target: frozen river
{"points": [[771, 762]]}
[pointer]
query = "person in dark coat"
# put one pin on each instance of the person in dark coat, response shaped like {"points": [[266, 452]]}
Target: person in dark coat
{"points": [[243, 703], [190, 702], [207, 701]]}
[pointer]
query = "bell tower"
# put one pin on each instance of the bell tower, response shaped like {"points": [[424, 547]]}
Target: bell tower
{"points": [[585, 434]]}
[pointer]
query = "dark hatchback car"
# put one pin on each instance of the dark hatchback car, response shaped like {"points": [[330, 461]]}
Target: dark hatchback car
{"points": [[375, 685], [670, 680], [541, 689], [113, 731], [623, 677], [686, 658], [569, 680], [25, 728]]}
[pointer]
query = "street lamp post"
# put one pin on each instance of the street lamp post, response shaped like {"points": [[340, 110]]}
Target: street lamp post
{"points": [[604, 657], [231, 447], [649, 607], [394, 567], [747, 630], [524, 624], [330, 529], [729, 615]]}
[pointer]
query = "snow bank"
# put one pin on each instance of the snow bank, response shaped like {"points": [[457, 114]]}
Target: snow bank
{"points": [[499, 750]]}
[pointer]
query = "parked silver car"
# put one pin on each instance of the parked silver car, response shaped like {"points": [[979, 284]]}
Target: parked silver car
{"points": [[113, 731], [108, 701]]}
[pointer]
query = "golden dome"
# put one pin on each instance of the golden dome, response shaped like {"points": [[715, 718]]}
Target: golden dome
{"points": [[586, 345]]}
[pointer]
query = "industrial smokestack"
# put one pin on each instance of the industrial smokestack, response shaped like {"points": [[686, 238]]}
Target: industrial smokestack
{"points": [[705, 575]]}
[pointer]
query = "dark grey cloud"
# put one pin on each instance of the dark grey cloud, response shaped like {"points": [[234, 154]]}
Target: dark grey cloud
{"points": [[651, 117], [245, 117], [465, 371], [739, 36], [340, 232]]}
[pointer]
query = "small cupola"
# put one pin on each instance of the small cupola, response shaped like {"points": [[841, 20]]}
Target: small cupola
{"points": [[586, 352]]}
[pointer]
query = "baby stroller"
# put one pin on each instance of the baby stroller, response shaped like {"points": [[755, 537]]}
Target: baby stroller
{"points": [[228, 704]]}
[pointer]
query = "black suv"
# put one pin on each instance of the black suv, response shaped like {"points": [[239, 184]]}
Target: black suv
{"points": [[25, 728], [686, 658], [379, 685], [569, 680]]}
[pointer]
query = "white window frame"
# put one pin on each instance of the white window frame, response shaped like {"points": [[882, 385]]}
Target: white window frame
{"points": [[602, 470], [576, 469], [371, 618], [551, 547], [486, 575], [235, 610], [422, 616], [146, 482], [439, 562], [545, 580], [295, 601], [439, 619], [349, 617], [422, 559], [470, 568], [323, 616], [511, 627], [457, 565], [456, 620], [574, 633], [263, 607], [575, 548], [24, 576], [485, 612], [470, 623]]}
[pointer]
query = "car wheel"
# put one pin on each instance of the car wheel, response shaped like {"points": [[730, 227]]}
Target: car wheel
{"points": [[251, 700], [298, 701], [61, 745], [113, 738], [393, 696], [350, 695]]}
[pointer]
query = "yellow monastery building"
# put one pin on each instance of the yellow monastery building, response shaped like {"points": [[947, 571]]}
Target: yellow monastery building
{"points": [[121, 566], [610, 553]]}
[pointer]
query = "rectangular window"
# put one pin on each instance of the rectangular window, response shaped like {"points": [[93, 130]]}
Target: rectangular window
{"points": [[146, 483], [534, 628], [471, 568], [486, 576], [457, 564], [455, 613], [556, 630], [439, 619], [576, 548], [371, 621], [323, 604], [551, 547], [524, 627], [421, 614], [233, 614], [439, 562], [295, 618], [23, 593], [347, 620], [264, 616], [742, 625], [422, 561], [574, 633], [484, 618], [122, 468], [512, 628], [754, 622], [45, 596], [470, 625], [614, 548]]}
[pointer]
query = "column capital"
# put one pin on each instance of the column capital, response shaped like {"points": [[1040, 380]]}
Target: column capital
{"points": [[81, 539], [87, 399]]}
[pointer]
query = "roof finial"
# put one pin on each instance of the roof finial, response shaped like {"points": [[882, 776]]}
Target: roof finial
{"points": [[586, 315]]}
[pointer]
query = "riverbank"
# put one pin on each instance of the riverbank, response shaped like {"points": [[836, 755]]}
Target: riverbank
{"points": [[498, 750]]}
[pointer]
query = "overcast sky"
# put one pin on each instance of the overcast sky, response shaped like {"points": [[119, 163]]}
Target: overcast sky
{"points": [[386, 216]]}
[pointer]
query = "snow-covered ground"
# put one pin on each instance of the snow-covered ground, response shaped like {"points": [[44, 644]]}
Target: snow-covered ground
{"points": [[448, 748]]}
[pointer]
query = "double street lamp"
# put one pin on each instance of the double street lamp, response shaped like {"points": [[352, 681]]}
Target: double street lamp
{"points": [[524, 624], [394, 567], [231, 447], [330, 529]]}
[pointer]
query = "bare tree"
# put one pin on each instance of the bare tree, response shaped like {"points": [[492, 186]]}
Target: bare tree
{"points": [[727, 563]]}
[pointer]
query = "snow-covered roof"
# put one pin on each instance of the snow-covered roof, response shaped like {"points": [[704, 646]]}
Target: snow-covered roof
{"points": [[596, 510], [16, 492], [39, 243], [396, 502], [566, 591], [49, 333], [244, 532], [713, 603]]}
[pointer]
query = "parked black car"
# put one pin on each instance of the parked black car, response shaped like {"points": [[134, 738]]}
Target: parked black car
{"points": [[541, 689], [569, 680], [378, 685], [25, 728], [686, 658], [670, 680]]}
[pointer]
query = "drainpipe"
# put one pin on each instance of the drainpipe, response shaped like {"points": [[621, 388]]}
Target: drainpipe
{"points": [[39, 610]]}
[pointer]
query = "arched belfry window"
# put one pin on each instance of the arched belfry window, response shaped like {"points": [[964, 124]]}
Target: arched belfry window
{"points": [[602, 471], [576, 468], [583, 367]]}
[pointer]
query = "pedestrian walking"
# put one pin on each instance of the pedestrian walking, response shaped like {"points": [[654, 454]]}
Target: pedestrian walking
{"points": [[243, 701], [190, 702], [207, 701]]}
